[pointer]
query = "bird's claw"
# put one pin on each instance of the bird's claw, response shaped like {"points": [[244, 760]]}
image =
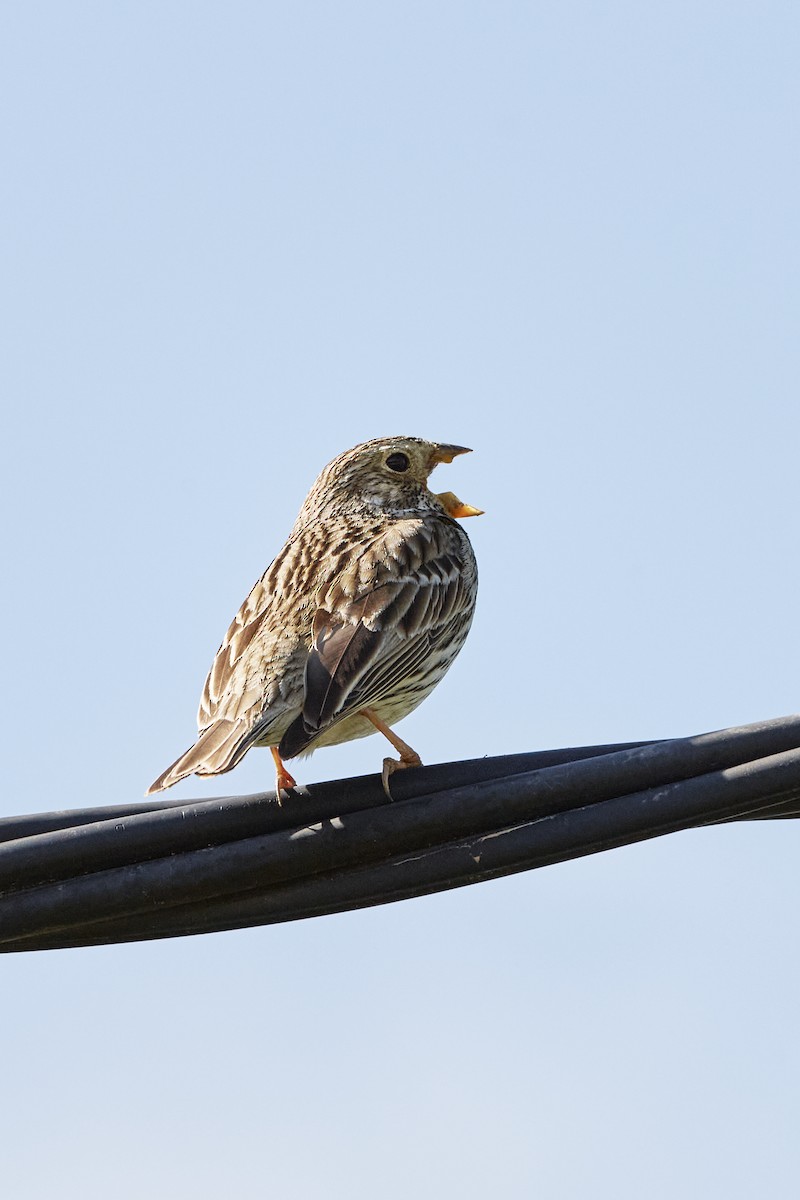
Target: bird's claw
{"points": [[390, 765], [283, 780], [283, 783]]}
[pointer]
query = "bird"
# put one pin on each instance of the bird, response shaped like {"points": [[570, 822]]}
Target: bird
{"points": [[352, 625]]}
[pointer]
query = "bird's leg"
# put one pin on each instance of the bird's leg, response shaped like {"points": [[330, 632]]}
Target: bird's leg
{"points": [[408, 757], [283, 780]]}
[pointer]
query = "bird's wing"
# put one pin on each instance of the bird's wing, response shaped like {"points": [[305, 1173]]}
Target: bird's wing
{"points": [[378, 621], [265, 636], [226, 690]]}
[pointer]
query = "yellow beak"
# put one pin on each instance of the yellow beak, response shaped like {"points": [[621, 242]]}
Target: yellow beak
{"points": [[455, 507]]}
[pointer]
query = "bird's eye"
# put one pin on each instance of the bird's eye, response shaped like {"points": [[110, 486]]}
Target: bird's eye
{"points": [[397, 462]]}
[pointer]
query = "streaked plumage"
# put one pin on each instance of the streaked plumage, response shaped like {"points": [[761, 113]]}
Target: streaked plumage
{"points": [[364, 608]]}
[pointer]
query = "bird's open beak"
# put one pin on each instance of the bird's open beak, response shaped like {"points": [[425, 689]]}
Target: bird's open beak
{"points": [[445, 454], [455, 507]]}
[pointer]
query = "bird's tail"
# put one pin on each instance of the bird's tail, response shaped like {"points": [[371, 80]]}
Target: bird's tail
{"points": [[217, 749]]}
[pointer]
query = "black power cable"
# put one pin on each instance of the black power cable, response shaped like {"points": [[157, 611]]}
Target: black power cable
{"points": [[132, 872]]}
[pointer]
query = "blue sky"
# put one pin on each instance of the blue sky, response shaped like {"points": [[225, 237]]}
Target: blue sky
{"points": [[238, 239]]}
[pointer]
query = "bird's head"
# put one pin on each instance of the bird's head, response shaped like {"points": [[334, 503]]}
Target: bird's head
{"points": [[387, 475]]}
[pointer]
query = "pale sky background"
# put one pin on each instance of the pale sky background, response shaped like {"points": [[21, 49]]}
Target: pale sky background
{"points": [[239, 238]]}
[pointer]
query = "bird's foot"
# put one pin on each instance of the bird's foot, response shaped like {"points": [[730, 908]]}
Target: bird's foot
{"points": [[408, 757], [283, 780], [390, 765]]}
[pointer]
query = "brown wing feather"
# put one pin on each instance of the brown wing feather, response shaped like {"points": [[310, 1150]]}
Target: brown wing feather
{"points": [[256, 654], [221, 682], [338, 652]]}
